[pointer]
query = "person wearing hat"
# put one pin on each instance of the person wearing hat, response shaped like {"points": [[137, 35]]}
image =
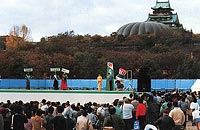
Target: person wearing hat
{"points": [[165, 122], [150, 127]]}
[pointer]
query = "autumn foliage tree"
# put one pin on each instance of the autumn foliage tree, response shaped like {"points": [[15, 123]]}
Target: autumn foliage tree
{"points": [[86, 56], [18, 36]]}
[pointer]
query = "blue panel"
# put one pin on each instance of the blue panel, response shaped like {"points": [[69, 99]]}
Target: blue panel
{"points": [[161, 84], [185, 84], [171, 84]]}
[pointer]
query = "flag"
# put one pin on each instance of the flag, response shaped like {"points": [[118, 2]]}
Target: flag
{"points": [[111, 71], [122, 71]]}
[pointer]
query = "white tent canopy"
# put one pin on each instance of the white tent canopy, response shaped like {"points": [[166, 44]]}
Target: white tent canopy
{"points": [[196, 86]]}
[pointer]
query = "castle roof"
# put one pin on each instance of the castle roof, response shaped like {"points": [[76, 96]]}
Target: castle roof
{"points": [[162, 4], [138, 28], [163, 13]]}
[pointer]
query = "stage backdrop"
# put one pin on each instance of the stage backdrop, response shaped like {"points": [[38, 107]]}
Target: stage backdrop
{"points": [[84, 84]]}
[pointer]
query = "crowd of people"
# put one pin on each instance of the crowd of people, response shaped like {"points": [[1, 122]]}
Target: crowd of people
{"points": [[152, 111]]}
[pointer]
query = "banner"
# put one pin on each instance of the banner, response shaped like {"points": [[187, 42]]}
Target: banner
{"points": [[122, 71], [65, 70], [54, 69], [110, 77], [28, 69], [121, 75]]}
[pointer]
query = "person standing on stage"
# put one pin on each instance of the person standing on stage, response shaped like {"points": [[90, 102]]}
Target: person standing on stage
{"points": [[63, 85], [110, 81], [55, 83], [99, 81], [28, 77]]}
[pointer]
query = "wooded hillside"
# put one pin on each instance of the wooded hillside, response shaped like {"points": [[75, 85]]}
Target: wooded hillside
{"points": [[173, 56]]}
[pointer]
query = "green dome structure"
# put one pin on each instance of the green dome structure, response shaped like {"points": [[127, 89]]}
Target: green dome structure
{"points": [[138, 28]]}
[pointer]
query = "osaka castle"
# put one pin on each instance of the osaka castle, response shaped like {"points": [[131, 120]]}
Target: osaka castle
{"points": [[157, 23], [163, 13]]}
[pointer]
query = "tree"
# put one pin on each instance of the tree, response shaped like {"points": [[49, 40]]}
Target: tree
{"points": [[21, 31], [85, 64], [18, 36]]}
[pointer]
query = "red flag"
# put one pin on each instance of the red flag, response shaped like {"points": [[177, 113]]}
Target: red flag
{"points": [[110, 65], [122, 71]]}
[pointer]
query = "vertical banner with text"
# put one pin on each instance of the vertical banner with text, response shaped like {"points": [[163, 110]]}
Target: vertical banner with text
{"points": [[110, 77]]}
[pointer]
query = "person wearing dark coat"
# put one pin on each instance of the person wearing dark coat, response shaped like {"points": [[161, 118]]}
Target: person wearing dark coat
{"points": [[59, 121], [165, 122], [114, 120], [19, 118]]}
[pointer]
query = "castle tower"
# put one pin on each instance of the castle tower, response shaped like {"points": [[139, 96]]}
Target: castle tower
{"points": [[163, 13]]}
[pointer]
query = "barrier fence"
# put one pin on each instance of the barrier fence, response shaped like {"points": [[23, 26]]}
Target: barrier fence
{"points": [[83, 84]]}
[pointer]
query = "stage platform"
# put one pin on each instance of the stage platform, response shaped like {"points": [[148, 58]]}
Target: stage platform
{"points": [[74, 96]]}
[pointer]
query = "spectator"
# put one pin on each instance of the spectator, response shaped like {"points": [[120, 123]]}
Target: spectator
{"points": [[68, 112], [38, 121], [42, 103], [127, 114], [135, 103], [74, 112], [1, 122], [196, 117], [114, 120], [6, 117], [48, 118], [184, 107], [194, 105], [28, 125], [152, 110], [141, 113], [150, 127], [102, 112], [91, 116], [117, 108], [83, 123], [164, 105], [198, 100], [19, 118], [178, 116], [59, 121], [165, 122]]}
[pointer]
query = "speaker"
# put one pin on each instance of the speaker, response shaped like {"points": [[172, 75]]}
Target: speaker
{"points": [[144, 80], [144, 84]]}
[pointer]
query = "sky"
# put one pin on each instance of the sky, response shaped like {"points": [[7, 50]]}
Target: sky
{"points": [[50, 17]]}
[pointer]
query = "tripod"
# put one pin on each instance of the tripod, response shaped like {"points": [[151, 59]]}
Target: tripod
{"points": [[129, 87]]}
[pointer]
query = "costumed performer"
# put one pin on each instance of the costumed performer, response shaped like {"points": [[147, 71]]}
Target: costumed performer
{"points": [[28, 77], [55, 83], [63, 85], [110, 81], [120, 79], [99, 81]]}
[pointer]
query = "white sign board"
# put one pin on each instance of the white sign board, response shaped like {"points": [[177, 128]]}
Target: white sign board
{"points": [[28, 69], [54, 69], [65, 70]]}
